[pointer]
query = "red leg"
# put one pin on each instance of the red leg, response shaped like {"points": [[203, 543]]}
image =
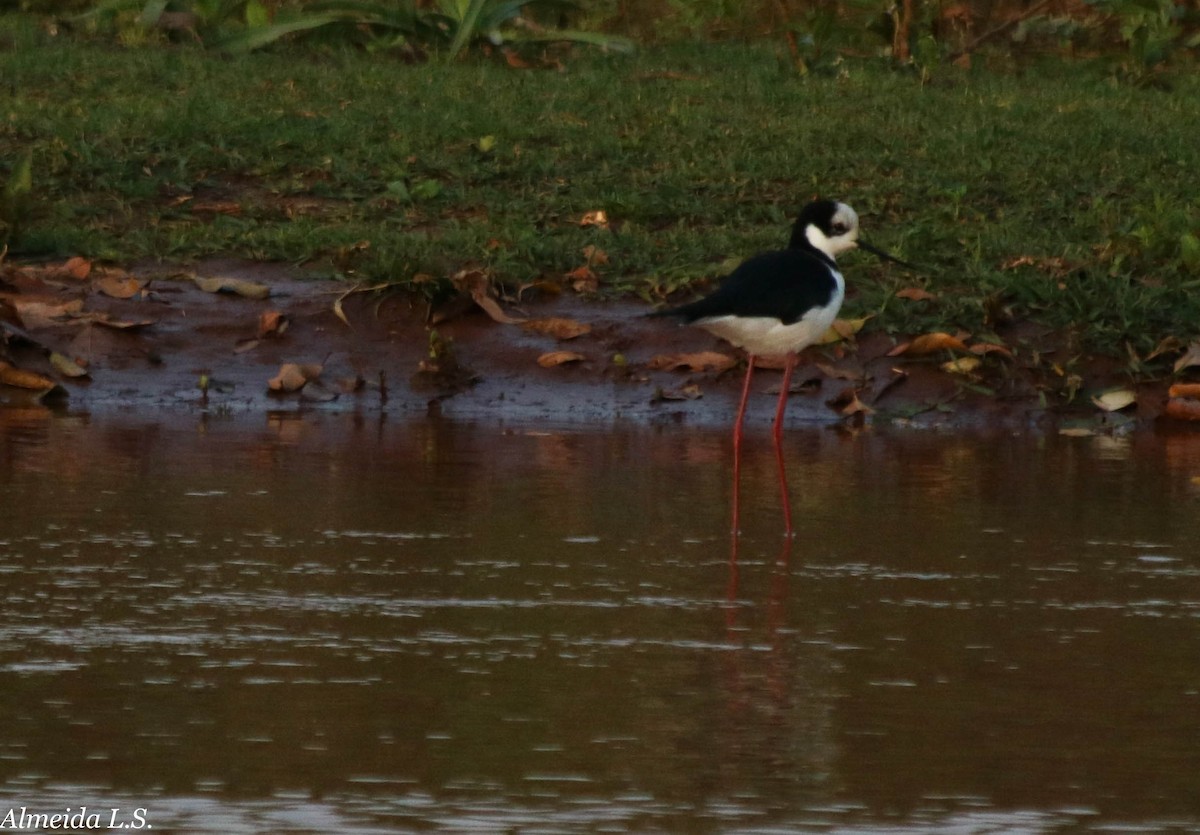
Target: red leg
{"points": [[789, 366], [737, 442]]}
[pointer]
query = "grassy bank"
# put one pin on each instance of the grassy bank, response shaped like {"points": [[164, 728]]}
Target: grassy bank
{"points": [[1044, 192]]}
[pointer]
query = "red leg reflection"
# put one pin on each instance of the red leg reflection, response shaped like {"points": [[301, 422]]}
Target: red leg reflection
{"points": [[780, 408]]}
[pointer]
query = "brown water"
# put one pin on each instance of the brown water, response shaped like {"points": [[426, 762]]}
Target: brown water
{"points": [[330, 625]]}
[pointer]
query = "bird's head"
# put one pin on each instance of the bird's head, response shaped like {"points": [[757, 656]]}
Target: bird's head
{"points": [[827, 226], [832, 228]]}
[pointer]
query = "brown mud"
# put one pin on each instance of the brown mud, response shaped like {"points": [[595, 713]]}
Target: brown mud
{"points": [[173, 346]]}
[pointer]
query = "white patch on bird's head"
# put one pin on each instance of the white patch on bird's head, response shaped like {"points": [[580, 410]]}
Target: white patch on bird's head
{"points": [[836, 236]]}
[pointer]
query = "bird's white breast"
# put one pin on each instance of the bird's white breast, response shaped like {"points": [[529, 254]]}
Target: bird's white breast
{"points": [[767, 336]]}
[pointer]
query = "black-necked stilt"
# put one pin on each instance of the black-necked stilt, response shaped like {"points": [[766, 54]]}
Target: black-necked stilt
{"points": [[776, 304]]}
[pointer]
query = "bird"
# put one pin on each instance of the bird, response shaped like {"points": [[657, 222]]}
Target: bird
{"points": [[776, 304]]}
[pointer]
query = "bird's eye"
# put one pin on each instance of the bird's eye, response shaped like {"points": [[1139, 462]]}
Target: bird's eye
{"points": [[840, 228]]}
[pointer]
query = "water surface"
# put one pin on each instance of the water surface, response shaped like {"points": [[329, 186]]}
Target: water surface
{"points": [[325, 624]]}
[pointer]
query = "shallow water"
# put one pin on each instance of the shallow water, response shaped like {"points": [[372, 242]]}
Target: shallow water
{"points": [[327, 624]]}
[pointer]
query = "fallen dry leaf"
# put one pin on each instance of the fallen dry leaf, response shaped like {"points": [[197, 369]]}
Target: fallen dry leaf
{"points": [[962, 365], [1113, 400], [555, 358], [915, 294], [477, 284], [595, 255], [106, 321], [929, 343], [77, 268], [514, 60], [236, 286], [66, 366], [40, 314], [1190, 358], [701, 361], [294, 376], [599, 217], [985, 348], [583, 280], [271, 323], [1184, 390], [842, 329], [557, 327], [10, 375], [119, 287]]}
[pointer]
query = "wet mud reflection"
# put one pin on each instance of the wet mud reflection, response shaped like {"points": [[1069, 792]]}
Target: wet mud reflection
{"points": [[325, 624]]}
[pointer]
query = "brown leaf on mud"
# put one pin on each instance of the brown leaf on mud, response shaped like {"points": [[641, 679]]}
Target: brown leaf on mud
{"points": [[1185, 390], [477, 284], [556, 358], [106, 321], [66, 366], [40, 313], [701, 361], [236, 286], [1190, 358], [984, 348], [10, 375], [929, 343], [294, 376], [557, 327], [1182, 408], [119, 286], [272, 323], [77, 268], [915, 294]]}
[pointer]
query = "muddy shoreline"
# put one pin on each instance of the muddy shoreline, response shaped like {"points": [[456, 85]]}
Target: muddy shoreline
{"points": [[172, 346]]}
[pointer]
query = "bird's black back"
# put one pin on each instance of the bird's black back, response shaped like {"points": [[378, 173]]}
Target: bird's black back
{"points": [[783, 285]]}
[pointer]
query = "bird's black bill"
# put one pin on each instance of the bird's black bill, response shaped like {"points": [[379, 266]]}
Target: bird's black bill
{"points": [[886, 256]]}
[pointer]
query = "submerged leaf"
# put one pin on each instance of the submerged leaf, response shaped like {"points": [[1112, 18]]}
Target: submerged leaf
{"points": [[557, 327], [294, 376], [1182, 408], [236, 286], [1113, 400], [701, 361], [555, 358]]}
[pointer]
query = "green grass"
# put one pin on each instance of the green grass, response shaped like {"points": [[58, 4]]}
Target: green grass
{"points": [[696, 152]]}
